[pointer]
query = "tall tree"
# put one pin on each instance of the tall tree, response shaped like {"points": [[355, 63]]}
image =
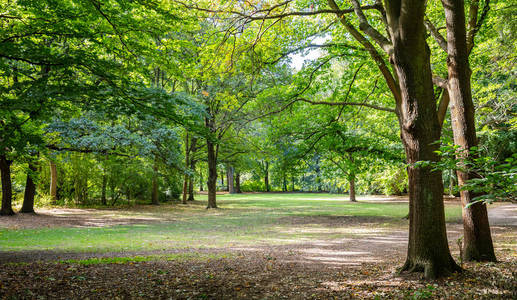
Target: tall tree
{"points": [[477, 241]]}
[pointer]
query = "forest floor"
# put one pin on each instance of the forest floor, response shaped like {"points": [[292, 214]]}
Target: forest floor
{"points": [[257, 246]]}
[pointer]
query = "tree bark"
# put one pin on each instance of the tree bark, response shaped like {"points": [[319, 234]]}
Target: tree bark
{"points": [[154, 192], [284, 182], [7, 191], [230, 171], [428, 249], [212, 174], [477, 239], [351, 180], [53, 182], [238, 183], [30, 190]]}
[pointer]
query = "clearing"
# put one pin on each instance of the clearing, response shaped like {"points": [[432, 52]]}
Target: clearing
{"points": [[256, 246]]}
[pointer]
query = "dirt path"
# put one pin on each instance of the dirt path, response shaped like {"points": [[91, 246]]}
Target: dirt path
{"points": [[504, 215]]}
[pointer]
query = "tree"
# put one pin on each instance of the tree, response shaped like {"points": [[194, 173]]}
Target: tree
{"points": [[5, 169], [477, 240], [30, 188], [411, 85]]}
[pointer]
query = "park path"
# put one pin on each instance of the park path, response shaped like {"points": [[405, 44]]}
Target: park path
{"points": [[503, 215]]}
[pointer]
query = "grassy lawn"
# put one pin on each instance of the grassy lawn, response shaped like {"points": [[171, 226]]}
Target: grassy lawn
{"points": [[246, 219]]}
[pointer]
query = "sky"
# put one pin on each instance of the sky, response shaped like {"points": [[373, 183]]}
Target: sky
{"points": [[298, 59]]}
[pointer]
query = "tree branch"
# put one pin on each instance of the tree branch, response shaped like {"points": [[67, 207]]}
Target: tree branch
{"points": [[442, 107], [436, 34], [104, 151], [386, 73], [348, 103], [440, 82], [265, 14], [474, 24], [330, 45], [381, 40]]}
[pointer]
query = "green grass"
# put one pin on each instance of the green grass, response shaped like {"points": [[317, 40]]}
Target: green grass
{"points": [[248, 219]]}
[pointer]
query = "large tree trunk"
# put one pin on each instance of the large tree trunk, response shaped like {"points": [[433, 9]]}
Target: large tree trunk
{"points": [[154, 192], [477, 240], [428, 249], [7, 191], [351, 181], [266, 176], [30, 190], [230, 171], [53, 182], [212, 174], [238, 183]]}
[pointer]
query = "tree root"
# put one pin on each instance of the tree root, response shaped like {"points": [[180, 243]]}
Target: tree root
{"points": [[430, 270]]}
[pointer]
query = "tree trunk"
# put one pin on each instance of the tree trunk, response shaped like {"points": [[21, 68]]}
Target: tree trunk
{"points": [[292, 183], [154, 192], [428, 249], [266, 176], [212, 174], [187, 165], [104, 201], [238, 183], [351, 180], [7, 191], [231, 187], [223, 188], [451, 183], [30, 190], [192, 169], [200, 180], [53, 182], [284, 183], [477, 239], [191, 181], [190, 189]]}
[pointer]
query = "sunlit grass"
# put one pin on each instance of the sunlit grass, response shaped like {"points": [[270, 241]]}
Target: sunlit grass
{"points": [[249, 219]]}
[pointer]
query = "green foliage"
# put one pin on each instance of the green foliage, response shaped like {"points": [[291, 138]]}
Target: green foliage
{"points": [[392, 181], [492, 180]]}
